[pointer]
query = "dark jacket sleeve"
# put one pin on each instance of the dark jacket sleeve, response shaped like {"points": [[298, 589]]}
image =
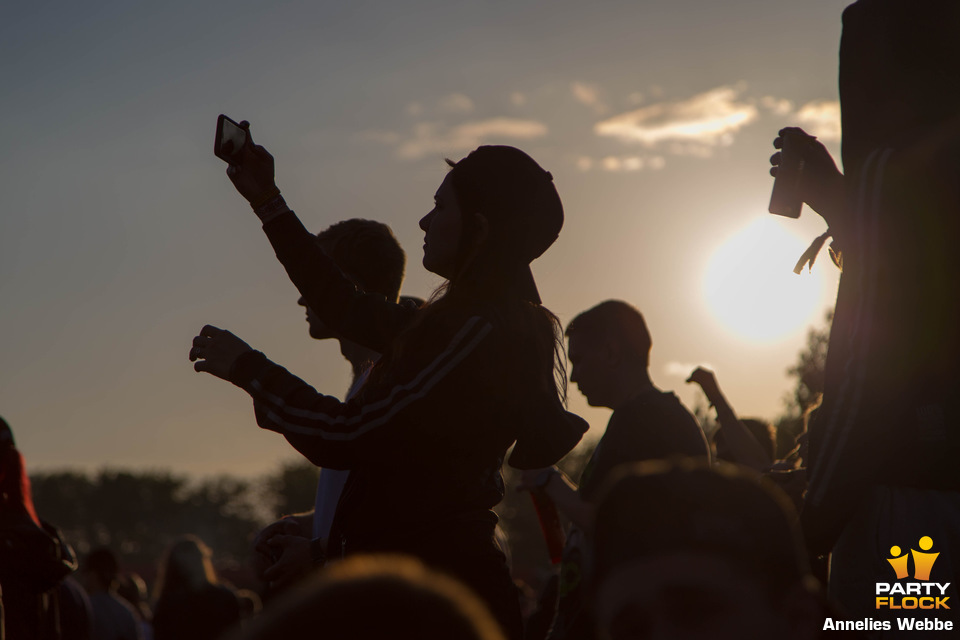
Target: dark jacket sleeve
{"points": [[368, 319], [339, 435]]}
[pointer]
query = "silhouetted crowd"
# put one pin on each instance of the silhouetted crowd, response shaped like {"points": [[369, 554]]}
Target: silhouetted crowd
{"points": [[662, 533]]}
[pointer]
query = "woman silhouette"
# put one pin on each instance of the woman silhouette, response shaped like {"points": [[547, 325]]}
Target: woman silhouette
{"points": [[460, 380]]}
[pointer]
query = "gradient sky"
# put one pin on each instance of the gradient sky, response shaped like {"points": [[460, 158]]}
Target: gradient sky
{"points": [[121, 236]]}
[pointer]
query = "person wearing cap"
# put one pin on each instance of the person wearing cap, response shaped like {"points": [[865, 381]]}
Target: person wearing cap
{"points": [[460, 380], [686, 550]]}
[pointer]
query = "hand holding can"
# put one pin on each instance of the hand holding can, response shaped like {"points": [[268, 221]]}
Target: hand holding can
{"points": [[786, 199]]}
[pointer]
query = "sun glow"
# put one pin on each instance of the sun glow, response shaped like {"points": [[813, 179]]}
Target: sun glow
{"points": [[750, 287]]}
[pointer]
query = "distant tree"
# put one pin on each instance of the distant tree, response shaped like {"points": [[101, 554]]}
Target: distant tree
{"points": [[705, 415], [807, 372], [139, 513], [809, 368], [291, 489]]}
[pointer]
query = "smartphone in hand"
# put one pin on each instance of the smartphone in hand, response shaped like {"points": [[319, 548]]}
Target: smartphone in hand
{"points": [[231, 139]]}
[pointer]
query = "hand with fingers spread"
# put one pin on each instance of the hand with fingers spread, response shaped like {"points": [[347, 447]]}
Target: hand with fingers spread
{"points": [[253, 175], [216, 350], [821, 183]]}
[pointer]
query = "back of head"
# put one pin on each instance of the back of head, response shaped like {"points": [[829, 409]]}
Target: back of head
{"points": [[368, 253], [690, 550], [132, 588], [6, 435], [718, 511], [618, 323], [187, 566], [102, 564], [378, 597]]}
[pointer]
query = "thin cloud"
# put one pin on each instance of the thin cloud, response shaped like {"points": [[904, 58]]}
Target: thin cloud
{"points": [[696, 149], [450, 104], [589, 95], [518, 99], [456, 103], [706, 120], [383, 137], [822, 119], [779, 106], [611, 163], [435, 138], [684, 369], [621, 164]]}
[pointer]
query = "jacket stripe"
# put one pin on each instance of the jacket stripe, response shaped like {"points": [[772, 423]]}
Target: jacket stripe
{"points": [[311, 423]]}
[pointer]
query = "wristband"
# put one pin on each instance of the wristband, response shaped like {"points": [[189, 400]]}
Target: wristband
{"points": [[267, 197], [270, 208]]}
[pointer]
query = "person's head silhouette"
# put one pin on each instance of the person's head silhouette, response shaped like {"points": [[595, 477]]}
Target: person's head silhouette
{"points": [[687, 550], [496, 211], [609, 353]]}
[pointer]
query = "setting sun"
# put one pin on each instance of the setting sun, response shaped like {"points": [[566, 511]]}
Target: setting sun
{"points": [[750, 287]]}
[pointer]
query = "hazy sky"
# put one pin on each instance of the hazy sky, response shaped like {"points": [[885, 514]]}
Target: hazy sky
{"points": [[121, 236]]}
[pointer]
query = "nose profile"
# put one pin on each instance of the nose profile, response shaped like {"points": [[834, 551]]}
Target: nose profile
{"points": [[301, 301], [425, 221]]}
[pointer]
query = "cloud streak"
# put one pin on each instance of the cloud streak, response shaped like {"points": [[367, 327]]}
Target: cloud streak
{"points": [[456, 103], [429, 138], [588, 95], [701, 122], [821, 118], [683, 369], [621, 164]]}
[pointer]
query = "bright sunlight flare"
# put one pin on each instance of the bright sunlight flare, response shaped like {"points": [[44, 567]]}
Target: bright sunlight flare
{"points": [[750, 286]]}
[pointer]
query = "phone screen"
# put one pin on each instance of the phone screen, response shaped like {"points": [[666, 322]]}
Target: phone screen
{"points": [[230, 139]]}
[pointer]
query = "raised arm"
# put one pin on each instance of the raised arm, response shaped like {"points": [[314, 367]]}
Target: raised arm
{"points": [[743, 446], [339, 435], [368, 319]]}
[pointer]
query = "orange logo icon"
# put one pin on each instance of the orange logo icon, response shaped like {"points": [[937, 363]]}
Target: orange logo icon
{"points": [[922, 561], [922, 594], [898, 562]]}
